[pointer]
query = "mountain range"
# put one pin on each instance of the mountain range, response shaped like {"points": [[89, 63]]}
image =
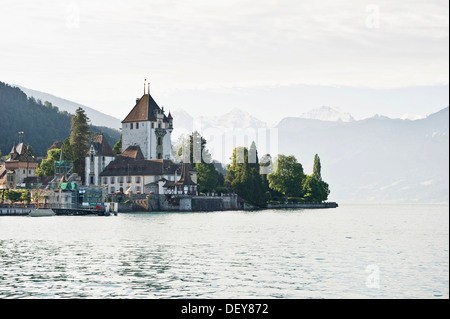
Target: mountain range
{"points": [[374, 160], [328, 113], [97, 118]]}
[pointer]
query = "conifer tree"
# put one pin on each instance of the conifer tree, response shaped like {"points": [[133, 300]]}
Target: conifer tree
{"points": [[317, 168], [118, 146], [79, 139], [243, 176]]}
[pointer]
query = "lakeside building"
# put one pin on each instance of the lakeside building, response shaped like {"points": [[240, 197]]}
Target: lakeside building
{"points": [[145, 165], [144, 171], [18, 167], [148, 127], [100, 154]]}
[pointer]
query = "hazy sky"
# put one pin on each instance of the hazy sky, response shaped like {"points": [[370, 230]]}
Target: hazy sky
{"points": [[273, 58]]}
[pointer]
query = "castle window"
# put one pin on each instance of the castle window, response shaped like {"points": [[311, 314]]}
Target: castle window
{"points": [[138, 179], [153, 125], [137, 126], [131, 126], [105, 180], [92, 157], [159, 141], [159, 124], [92, 179], [112, 180]]}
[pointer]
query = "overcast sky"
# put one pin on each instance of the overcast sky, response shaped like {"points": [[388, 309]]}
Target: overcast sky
{"points": [[272, 58]]}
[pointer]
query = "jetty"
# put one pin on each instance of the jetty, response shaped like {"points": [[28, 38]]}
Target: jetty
{"points": [[31, 210], [16, 211], [304, 205]]}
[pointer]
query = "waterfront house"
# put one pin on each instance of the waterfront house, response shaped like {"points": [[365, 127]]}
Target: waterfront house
{"points": [[20, 165], [145, 165]]}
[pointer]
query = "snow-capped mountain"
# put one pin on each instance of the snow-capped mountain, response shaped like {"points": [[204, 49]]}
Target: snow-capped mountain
{"points": [[328, 113], [413, 117], [377, 159], [236, 118]]}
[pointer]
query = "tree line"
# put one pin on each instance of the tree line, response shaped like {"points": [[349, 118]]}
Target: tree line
{"points": [[41, 122], [280, 180]]}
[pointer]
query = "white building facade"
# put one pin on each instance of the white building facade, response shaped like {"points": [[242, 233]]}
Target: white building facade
{"points": [[145, 164], [149, 128], [98, 157]]}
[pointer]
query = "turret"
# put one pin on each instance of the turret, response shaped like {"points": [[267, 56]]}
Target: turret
{"points": [[170, 118]]}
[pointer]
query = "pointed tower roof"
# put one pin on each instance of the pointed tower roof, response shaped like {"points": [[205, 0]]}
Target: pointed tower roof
{"points": [[185, 178], [144, 110], [102, 146]]}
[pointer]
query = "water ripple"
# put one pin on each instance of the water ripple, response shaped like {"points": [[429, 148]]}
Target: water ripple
{"points": [[291, 254]]}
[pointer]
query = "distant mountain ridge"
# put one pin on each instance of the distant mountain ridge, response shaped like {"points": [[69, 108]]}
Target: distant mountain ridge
{"points": [[40, 124], [97, 118], [328, 113], [375, 160]]}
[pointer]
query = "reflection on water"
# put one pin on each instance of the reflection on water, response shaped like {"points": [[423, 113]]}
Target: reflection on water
{"points": [[348, 252]]}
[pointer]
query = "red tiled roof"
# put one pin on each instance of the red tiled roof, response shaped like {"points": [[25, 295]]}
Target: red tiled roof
{"points": [[144, 110]]}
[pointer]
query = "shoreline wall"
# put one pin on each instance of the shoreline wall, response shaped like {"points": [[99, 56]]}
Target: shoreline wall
{"points": [[187, 203]]}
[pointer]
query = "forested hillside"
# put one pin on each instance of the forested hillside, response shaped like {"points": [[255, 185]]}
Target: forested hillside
{"points": [[40, 121]]}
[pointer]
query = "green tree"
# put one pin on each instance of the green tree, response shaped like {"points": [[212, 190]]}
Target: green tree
{"points": [[243, 176], [118, 146], [66, 149], [47, 167], [26, 197], [317, 168], [79, 139], [207, 177], [287, 177], [315, 190], [15, 195], [193, 149]]}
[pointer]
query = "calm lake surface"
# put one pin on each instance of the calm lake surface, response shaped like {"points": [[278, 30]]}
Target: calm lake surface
{"points": [[354, 251]]}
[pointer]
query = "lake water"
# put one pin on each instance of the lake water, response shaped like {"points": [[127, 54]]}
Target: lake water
{"points": [[354, 251]]}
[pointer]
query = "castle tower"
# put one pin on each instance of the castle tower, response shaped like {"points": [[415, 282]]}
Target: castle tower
{"points": [[149, 128]]}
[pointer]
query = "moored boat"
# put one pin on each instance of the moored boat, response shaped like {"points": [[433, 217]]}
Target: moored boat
{"points": [[41, 212]]}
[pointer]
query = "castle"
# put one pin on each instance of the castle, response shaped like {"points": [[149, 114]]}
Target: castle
{"points": [[145, 165]]}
